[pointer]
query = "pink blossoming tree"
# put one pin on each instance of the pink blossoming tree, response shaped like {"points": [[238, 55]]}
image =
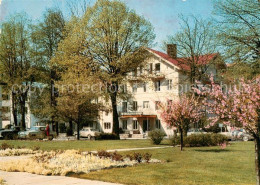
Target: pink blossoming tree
{"points": [[181, 114], [236, 106]]}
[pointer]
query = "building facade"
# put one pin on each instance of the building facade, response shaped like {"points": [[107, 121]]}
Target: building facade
{"points": [[162, 79]]}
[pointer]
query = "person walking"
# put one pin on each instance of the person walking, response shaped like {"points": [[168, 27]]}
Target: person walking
{"points": [[48, 131]]}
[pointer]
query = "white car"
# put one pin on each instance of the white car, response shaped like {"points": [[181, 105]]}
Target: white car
{"points": [[88, 132], [36, 132]]}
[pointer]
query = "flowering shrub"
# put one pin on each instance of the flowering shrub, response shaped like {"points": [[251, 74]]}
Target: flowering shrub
{"points": [[181, 113]]}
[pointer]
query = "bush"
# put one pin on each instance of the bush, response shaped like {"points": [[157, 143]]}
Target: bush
{"points": [[103, 153], [147, 157], [107, 136], [138, 157], [35, 148], [175, 140], [157, 136], [197, 140], [5, 146], [117, 157]]}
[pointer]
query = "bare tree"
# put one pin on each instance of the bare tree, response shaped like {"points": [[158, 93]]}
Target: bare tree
{"points": [[195, 44], [239, 30]]}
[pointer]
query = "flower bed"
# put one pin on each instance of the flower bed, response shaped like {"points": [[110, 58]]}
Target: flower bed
{"points": [[63, 163], [16, 152]]}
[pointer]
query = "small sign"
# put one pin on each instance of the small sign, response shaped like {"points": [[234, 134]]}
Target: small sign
{"points": [[220, 125]]}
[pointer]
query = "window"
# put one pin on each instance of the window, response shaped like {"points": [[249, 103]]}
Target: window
{"points": [[146, 104], [124, 88], [6, 109], [135, 124], [134, 73], [106, 113], [135, 106], [157, 85], [5, 97], [124, 106], [134, 88], [169, 103], [157, 68], [107, 125], [144, 86], [151, 68], [141, 69], [125, 124], [158, 124], [169, 84], [157, 105]]}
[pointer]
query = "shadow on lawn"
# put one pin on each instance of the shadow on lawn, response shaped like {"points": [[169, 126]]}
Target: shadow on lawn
{"points": [[212, 150]]}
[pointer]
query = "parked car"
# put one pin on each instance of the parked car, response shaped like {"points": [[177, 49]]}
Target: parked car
{"points": [[195, 131], [89, 133], [10, 133], [238, 135], [36, 132]]}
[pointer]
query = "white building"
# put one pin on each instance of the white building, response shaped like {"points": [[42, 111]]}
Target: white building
{"points": [[164, 80], [6, 112]]}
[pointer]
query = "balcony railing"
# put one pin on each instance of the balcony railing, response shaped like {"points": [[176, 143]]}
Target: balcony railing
{"points": [[131, 113]]}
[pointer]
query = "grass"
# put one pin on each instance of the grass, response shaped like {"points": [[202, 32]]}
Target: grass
{"points": [[205, 165], [198, 165], [82, 145]]}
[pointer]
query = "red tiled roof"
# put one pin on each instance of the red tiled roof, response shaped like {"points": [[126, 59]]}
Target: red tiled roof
{"points": [[180, 62]]}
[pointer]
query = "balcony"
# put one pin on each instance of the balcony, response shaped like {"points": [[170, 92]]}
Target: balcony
{"points": [[142, 112], [132, 113], [157, 75]]}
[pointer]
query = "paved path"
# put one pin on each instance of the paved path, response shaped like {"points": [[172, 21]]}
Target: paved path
{"points": [[23, 178], [131, 149]]}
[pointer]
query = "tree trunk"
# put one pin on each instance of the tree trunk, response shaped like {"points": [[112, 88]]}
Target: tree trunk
{"points": [[181, 132], [113, 96], [78, 136], [257, 160], [23, 112], [23, 115], [14, 109], [257, 150], [53, 101], [57, 127]]}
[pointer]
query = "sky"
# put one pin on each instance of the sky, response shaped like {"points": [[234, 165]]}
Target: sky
{"points": [[163, 14]]}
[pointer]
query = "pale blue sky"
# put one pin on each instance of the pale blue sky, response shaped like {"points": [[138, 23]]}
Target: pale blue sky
{"points": [[163, 14]]}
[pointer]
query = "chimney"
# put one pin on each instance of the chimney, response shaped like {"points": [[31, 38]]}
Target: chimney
{"points": [[172, 50]]}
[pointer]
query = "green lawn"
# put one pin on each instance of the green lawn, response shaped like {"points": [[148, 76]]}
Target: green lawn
{"points": [[204, 165], [82, 145]]}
